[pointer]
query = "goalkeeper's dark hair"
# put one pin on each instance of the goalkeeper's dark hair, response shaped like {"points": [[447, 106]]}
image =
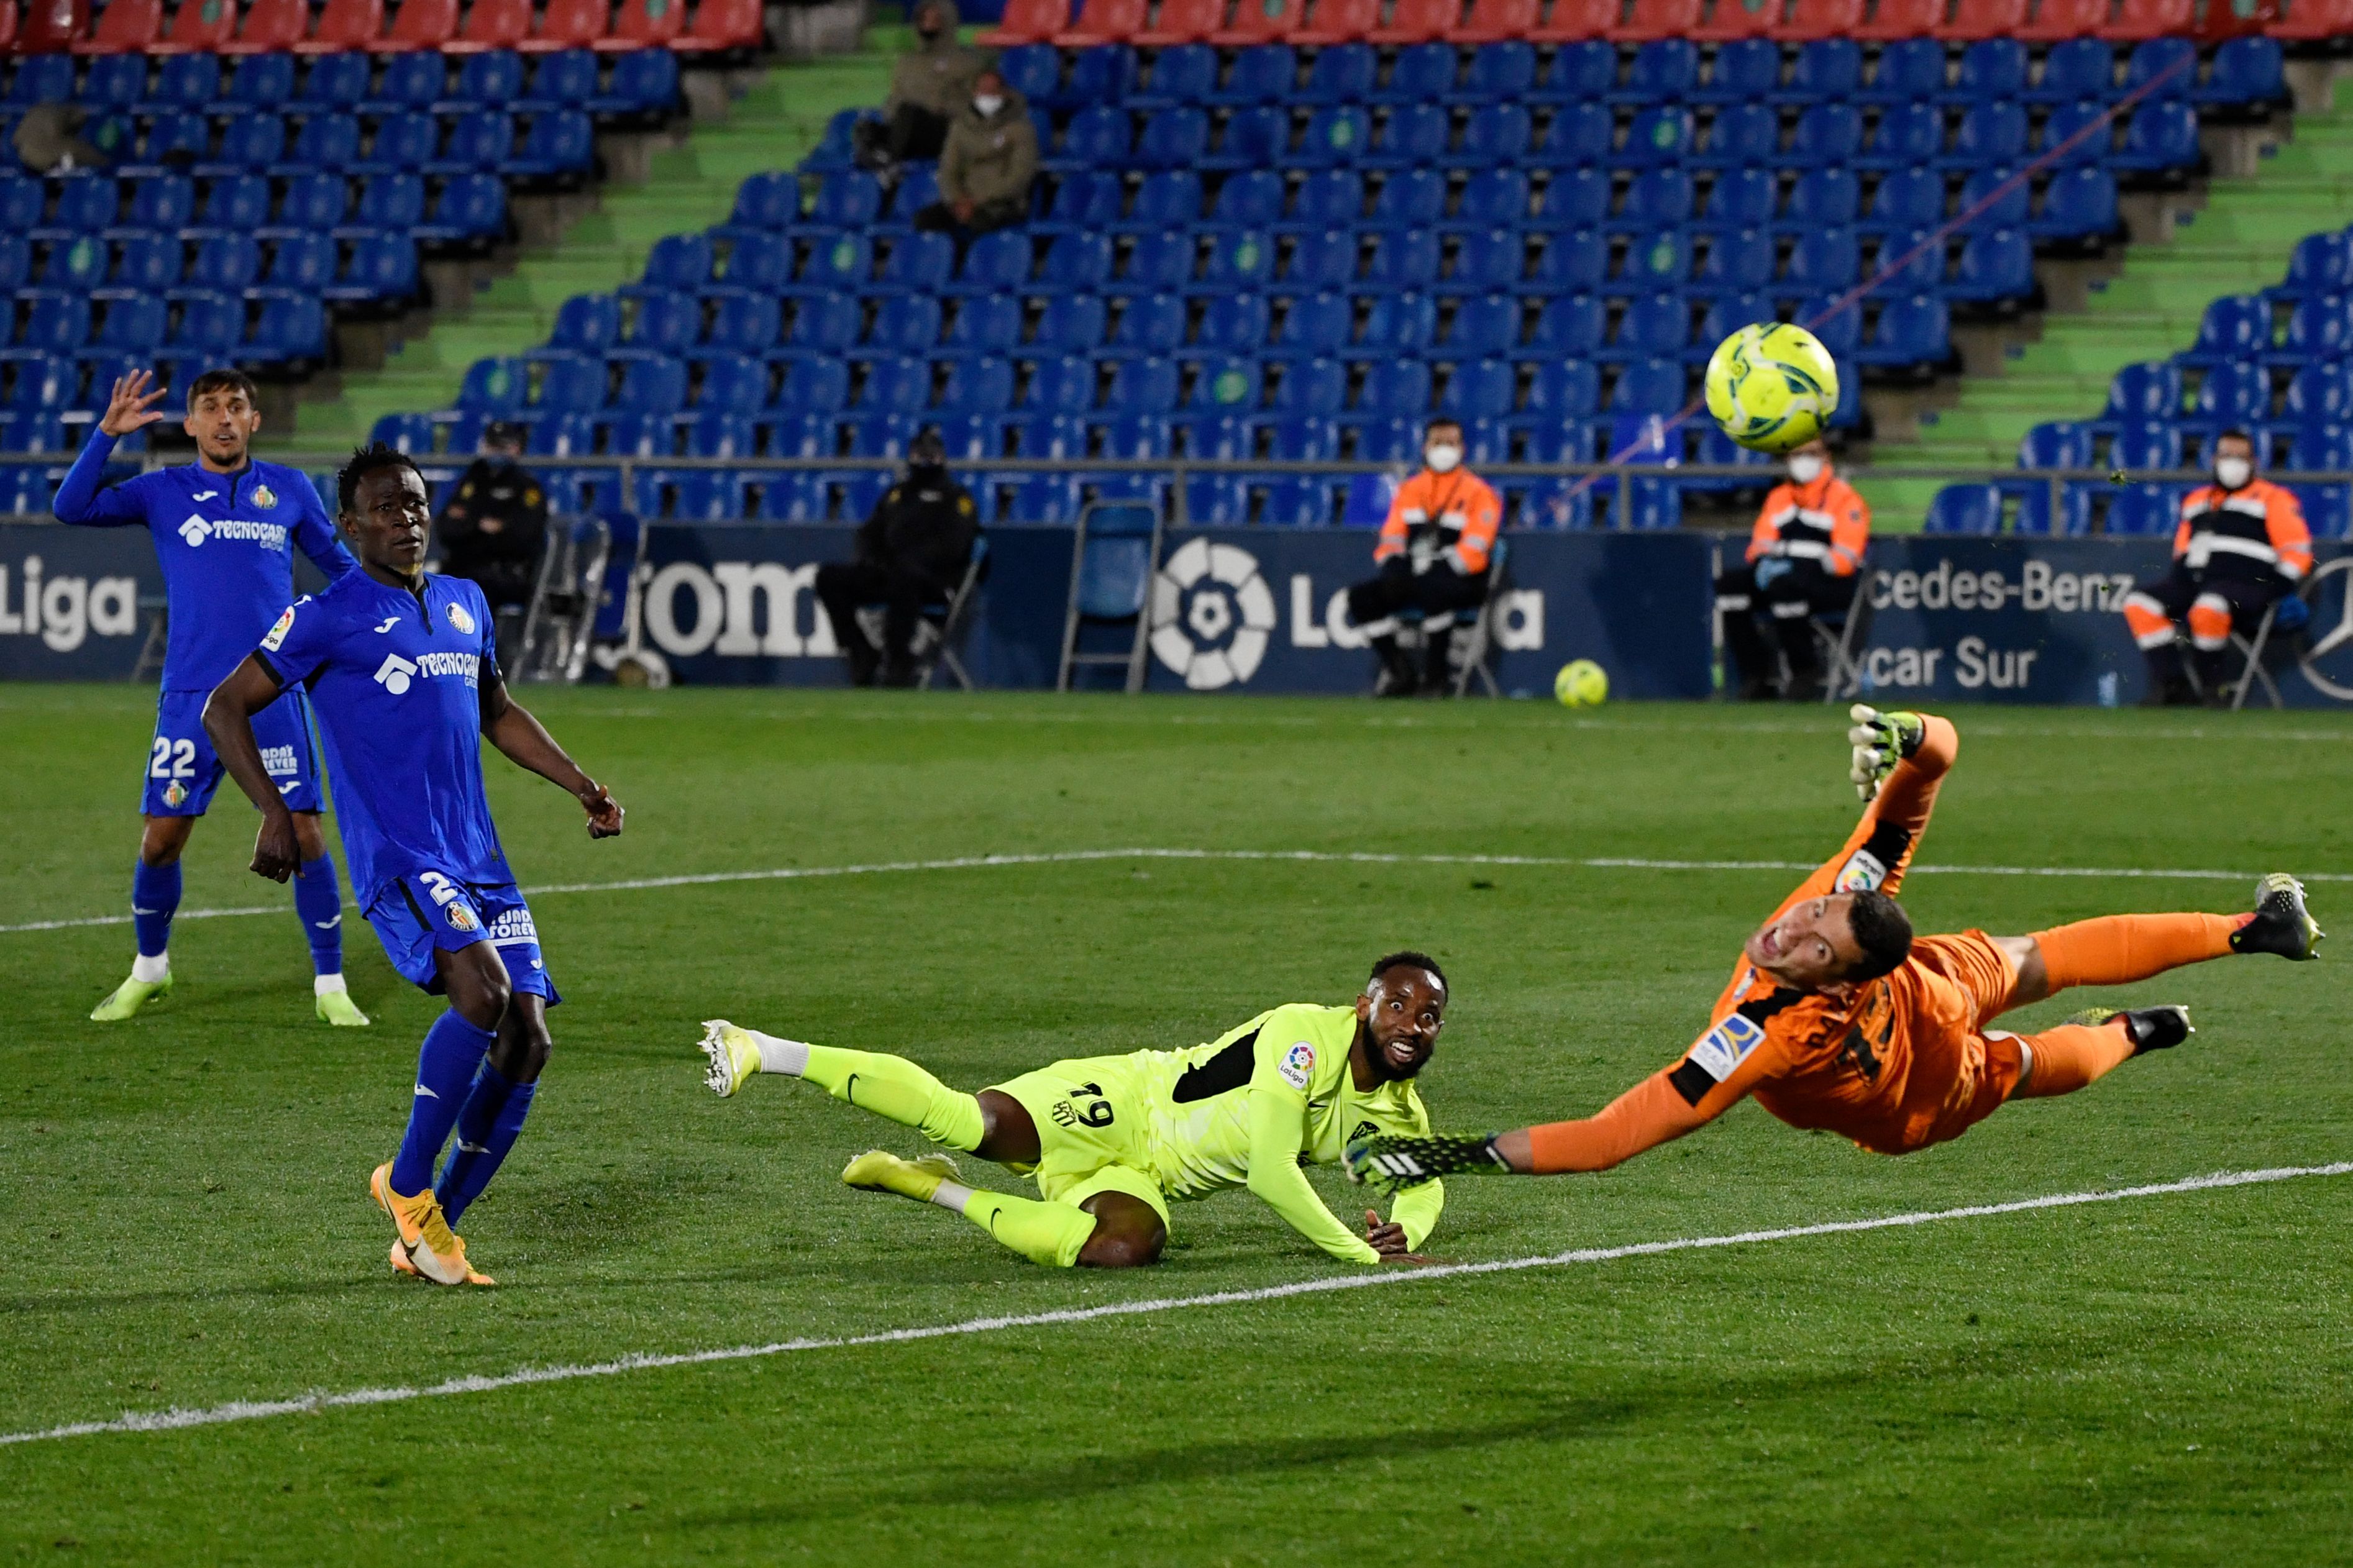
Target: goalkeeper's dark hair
{"points": [[371, 458], [1881, 929], [1409, 959]]}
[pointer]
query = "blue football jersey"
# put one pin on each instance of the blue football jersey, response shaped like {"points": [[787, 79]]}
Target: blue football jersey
{"points": [[223, 542], [395, 681]]}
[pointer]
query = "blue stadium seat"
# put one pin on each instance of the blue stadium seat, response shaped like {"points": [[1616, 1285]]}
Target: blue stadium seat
{"points": [[1137, 437], [880, 435], [1409, 198], [1909, 71], [2318, 265], [2235, 326], [1483, 327], [1184, 73], [2074, 69], [1252, 139], [1664, 70], [1484, 262], [814, 384], [1313, 325], [228, 262], [336, 81], [560, 144], [1326, 199], [1060, 386], [1660, 134], [1317, 386], [313, 202], [1421, 73], [1299, 501], [1995, 197], [479, 139], [1235, 323], [1743, 198], [764, 202], [162, 203], [303, 263], [1499, 72], [1913, 334], [2235, 394], [1402, 259], [1247, 200], [910, 324], [1648, 505], [2057, 444], [996, 262], [1238, 258], [1657, 198], [1096, 137], [1964, 509], [1649, 386], [323, 141], [665, 324], [1491, 199], [1216, 437], [114, 81], [1263, 73], [1990, 69], [851, 198], [2145, 444], [173, 138], [1579, 136], [1569, 261], [1225, 387], [377, 267], [2313, 448], [1660, 259], [416, 79], [413, 433], [2143, 509], [1654, 326], [2144, 392], [1573, 198], [2070, 518], [742, 324], [1335, 135], [1480, 390], [2167, 67], [470, 212], [1497, 135], [2326, 510], [1989, 133], [1401, 325], [586, 324], [1078, 262], [1830, 260], [922, 263], [568, 77], [1738, 261], [1216, 500], [1825, 68], [134, 324], [289, 327], [1907, 199], [1412, 136], [1303, 438], [1034, 70], [1042, 499], [88, 202], [2247, 73], [2319, 327], [493, 77], [638, 435], [732, 384], [577, 384], [895, 383], [1172, 138], [1570, 326], [1341, 73], [2078, 206], [1559, 504], [1996, 268], [193, 82], [41, 78], [1746, 70], [755, 261], [22, 203], [387, 201], [2160, 139], [404, 143], [1142, 386], [1103, 74], [1744, 135], [1908, 136], [1151, 324], [2319, 394], [260, 82]]}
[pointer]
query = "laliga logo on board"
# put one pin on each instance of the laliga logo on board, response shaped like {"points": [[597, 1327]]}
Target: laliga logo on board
{"points": [[1211, 615]]}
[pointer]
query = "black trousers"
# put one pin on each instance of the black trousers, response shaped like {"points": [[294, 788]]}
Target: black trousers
{"points": [[1786, 605], [1438, 593], [910, 132], [844, 587], [2177, 594], [1004, 212]]}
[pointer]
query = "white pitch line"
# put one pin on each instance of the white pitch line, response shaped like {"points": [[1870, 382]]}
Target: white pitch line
{"points": [[1071, 856], [257, 1410]]}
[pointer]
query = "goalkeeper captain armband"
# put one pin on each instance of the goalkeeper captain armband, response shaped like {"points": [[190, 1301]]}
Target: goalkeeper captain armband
{"points": [[1393, 1161]]}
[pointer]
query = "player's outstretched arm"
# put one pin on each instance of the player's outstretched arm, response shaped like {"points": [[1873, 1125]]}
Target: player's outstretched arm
{"points": [[526, 743], [229, 719], [83, 499]]}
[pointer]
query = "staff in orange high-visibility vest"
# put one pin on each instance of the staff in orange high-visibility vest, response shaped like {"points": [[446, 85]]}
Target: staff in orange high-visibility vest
{"points": [[1433, 556], [2242, 543], [1802, 556]]}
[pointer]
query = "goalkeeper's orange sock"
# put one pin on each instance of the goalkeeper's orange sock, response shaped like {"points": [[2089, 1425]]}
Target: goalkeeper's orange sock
{"points": [[894, 1088], [2117, 950], [2075, 1055]]}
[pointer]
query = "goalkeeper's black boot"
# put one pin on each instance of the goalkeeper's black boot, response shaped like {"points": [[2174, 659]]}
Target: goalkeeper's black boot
{"points": [[2281, 924], [2152, 1029]]}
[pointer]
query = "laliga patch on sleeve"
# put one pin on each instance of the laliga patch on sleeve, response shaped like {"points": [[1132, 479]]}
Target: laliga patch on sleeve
{"points": [[1298, 1065], [278, 633], [1724, 1048], [1862, 873]]}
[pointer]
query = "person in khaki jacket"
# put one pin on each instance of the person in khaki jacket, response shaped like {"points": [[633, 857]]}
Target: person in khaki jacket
{"points": [[989, 164], [930, 86]]}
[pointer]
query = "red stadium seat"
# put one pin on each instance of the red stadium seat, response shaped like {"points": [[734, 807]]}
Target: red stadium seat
{"points": [[644, 24], [1974, 19], [1813, 19], [723, 26], [1103, 22], [7, 26], [1491, 21], [51, 26], [570, 25], [1898, 19], [2307, 22], [1651, 20], [1575, 21], [270, 26], [1183, 21], [1741, 19], [1339, 22], [491, 25], [1028, 22], [199, 27], [125, 26], [2139, 20], [1261, 22], [344, 25], [1418, 22], [2058, 20], [418, 24]]}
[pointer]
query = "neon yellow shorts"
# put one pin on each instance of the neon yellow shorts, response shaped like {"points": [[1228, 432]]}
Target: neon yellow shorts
{"points": [[1092, 1112]]}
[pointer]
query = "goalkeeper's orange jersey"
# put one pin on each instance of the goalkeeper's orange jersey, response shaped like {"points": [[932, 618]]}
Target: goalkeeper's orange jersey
{"points": [[1896, 1065]]}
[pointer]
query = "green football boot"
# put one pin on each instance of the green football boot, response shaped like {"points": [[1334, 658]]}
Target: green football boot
{"points": [[129, 998]]}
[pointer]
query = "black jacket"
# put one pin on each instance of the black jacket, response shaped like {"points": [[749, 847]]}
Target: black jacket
{"points": [[508, 555], [924, 526]]}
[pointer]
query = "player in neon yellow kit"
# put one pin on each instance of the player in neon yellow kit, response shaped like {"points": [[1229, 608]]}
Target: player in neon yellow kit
{"points": [[1112, 1140]]}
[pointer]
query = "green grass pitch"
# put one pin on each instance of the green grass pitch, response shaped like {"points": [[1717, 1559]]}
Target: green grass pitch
{"points": [[2157, 1379]]}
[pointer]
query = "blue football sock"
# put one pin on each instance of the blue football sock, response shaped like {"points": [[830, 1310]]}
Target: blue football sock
{"points": [[453, 1049], [319, 899], [488, 1125], [154, 896]]}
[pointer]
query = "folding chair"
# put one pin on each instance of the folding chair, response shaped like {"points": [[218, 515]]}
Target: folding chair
{"points": [[1474, 661], [945, 619], [1113, 562], [1843, 640], [563, 606], [2287, 619]]}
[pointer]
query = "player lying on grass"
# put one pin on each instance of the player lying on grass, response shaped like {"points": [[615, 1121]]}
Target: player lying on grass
{"points": [[1836, 1018], [1112, 1140], [403, 669]]}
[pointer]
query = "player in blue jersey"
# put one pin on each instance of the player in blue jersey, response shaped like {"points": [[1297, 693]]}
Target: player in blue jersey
{"points": [[222, 527], [403, 669]]}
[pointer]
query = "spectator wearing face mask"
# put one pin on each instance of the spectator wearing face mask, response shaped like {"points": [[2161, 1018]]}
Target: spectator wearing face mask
{"points": [[930, 86], [913, 552], [1802, 556], [2242, 543], [989, 164], [1433, 555]]}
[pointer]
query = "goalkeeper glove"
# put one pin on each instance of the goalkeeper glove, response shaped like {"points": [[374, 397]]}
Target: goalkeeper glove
{"points": [[1394, 1161], [1881, 740]]}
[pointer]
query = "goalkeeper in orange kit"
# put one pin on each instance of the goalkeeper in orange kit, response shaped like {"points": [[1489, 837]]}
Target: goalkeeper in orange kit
{"points": [[1836, 1017]]}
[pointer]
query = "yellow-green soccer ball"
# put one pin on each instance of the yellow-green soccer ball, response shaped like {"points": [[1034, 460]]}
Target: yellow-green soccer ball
{"points": [[1581, 683], [1772, 387]]}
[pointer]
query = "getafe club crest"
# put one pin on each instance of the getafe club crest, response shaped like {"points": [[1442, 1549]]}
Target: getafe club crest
{"points": [[264, 497], [460, 619]]}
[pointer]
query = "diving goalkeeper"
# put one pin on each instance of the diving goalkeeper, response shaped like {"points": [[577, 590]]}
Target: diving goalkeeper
{"points": [[1837, 1018], [1112, 1141]]}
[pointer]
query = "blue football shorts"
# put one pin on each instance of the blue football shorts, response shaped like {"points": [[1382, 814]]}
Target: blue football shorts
{"points": [[183, 771], [430, 911]]}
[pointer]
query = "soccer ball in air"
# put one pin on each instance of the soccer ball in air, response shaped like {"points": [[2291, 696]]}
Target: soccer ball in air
{"points": [[1772, 387], [1581, 683]]}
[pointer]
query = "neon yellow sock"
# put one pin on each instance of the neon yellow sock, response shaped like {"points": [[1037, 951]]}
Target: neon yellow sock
{"points": [[897, 1089], [1050, 1234]]}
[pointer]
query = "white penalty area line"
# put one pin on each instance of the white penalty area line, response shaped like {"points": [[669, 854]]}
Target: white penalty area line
{"points": [[1073, 857], [259, 1410]]}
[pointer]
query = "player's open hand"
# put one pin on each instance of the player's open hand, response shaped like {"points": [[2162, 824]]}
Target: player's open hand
{"points": [[276, 853], [603, 813], [130, 407]]}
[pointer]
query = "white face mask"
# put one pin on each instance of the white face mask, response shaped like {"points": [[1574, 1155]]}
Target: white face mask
{"points": [[988, 103], [2232, 472], [1805, 469], [1442, 460]]}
